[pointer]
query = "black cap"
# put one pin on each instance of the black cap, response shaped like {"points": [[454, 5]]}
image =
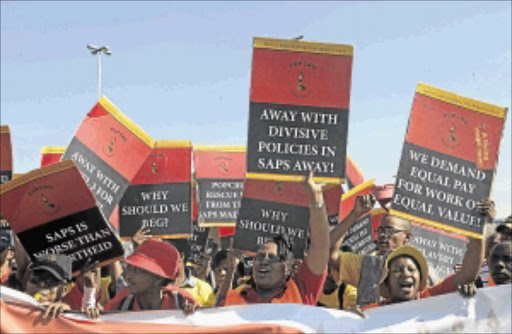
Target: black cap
{"points": [[5, 239], [59, 265]]}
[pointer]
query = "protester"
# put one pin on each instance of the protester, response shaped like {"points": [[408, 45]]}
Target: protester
{"points": [[47, 281], [484, 280], [220, 267], [406, 270], [364, 270], [197, 288], [150, 270], [504, 229], [500, 263], [336, 295], [6, 255], [271, 280]]}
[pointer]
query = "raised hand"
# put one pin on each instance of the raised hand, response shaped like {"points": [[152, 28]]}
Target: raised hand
{"points": [[141, 235], [364, 204], [487, 209]]}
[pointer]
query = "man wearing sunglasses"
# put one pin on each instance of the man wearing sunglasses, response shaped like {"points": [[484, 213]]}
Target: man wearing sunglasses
{"points": [[272, 280], [47, 281]]}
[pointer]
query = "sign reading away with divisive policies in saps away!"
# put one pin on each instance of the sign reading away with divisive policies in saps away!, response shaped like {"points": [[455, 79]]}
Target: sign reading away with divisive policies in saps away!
{"points": [[109, 149], [448, 160], [220, 173], [159, 197], [52, 211], [270, 208], [299, 105]]}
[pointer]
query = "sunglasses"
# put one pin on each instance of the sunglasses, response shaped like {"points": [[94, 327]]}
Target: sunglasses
{"points": [[388, 230], [45, 280], [270, 257]]}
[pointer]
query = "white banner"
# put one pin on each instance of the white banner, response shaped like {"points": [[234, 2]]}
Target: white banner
{"points": [[488, 312]]}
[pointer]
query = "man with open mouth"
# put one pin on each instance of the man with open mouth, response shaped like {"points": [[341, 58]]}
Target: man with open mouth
{"points": [[272, 280]]}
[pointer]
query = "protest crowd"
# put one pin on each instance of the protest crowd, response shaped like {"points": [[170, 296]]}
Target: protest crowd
{"points": [[135, 260]]}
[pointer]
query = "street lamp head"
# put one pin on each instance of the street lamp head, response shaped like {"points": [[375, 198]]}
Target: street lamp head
{"points": [[92, 47]]}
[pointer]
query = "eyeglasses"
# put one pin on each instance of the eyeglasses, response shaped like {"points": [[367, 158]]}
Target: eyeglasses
{"points": [[270, 257], [388, 230]]}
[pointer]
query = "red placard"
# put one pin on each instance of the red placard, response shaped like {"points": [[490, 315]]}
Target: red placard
{"points": [[348, 199], [51, 154]]}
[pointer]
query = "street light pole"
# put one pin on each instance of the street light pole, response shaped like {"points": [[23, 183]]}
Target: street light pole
{"points": [[98, 51]]}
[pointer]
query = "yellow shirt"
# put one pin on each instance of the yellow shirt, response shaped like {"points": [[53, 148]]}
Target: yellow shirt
{"points": [[350, 268], [201, 291], [332, 300]]}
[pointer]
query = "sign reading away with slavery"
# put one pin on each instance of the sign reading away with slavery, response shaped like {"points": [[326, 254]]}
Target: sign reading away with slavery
{"points": [[299, 104], [159, 197], [270, 208], [109, 149], [220, 173], [359, 236], [5, 154], [443, 250], [52, 211], [448, 160], [51, 154]]}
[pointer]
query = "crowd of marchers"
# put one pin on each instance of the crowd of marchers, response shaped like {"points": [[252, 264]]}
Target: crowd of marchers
{"points": [[159, 275]]}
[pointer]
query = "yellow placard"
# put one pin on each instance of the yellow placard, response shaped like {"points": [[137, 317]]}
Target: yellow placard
{"points": [[124, 120], [303, 46], [461, 101], [435, 224], [53, 149]]}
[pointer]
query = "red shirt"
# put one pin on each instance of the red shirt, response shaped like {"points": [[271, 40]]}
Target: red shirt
{"points": [[308, 284], [5, 277], [445, 286], [167, 302]]}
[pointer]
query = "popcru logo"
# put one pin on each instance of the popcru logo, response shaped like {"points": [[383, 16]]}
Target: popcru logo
{"points": [[452, 126], [43, 198], [301, 72], [155, 166], [115, 136], [223, 165]]}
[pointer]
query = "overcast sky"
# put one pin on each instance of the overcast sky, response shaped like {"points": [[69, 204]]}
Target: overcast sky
{"points": [[181, 70]]}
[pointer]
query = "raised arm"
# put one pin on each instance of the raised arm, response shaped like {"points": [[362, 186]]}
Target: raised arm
{"points": [[472, 262], [363, 205], [318, 252]]}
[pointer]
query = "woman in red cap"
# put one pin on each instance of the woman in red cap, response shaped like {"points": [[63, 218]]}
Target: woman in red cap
{"points": [[149, 272]]}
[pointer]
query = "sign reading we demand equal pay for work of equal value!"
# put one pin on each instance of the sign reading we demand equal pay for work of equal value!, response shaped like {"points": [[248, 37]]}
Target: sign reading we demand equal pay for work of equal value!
{"points": [[448, 160], [299, 104]]}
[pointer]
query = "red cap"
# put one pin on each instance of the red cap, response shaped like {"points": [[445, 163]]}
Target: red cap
{"points": [[157, 257]]}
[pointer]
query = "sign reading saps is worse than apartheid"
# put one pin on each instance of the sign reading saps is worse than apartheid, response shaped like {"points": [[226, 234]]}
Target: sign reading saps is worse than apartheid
{"points": [[299, 105], [220, 173], [52, 211], [159, 196], [51, 154], [109, 149], [448, 160], [270, 208], [443, 250], [5, 154]]}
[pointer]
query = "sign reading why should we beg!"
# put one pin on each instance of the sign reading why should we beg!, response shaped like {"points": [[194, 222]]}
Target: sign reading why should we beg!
{"points": [[159, 197], [448, 160]]}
